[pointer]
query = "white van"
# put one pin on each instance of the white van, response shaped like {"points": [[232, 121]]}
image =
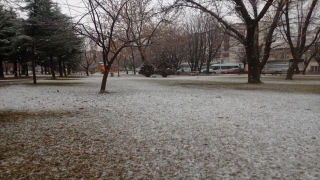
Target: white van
{"points": [[222, 68], [184, 67]]}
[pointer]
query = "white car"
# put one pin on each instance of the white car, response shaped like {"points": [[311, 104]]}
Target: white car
{"points": [[184, 68], [222, 68]]}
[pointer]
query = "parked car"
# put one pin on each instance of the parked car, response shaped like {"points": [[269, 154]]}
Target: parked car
{"points": [[222, 68], [184, 68], [236, 71], [266, 71]]}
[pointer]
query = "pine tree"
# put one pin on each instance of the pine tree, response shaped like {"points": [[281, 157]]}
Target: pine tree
{"points": [[7, 33], [51, 32]]}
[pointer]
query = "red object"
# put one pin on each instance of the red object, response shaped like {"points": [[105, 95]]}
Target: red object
{"points": [[236, 71], [102, 70], [101, 67]]}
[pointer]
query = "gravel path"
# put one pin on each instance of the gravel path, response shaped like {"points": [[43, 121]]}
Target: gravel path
{"points": [[149, 128]]}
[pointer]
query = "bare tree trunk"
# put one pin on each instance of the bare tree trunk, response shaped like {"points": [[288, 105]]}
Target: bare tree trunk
{"points": [[15, 68], [41, 69], [60, 66], [19, 69], [33, 64], [305, 68], [302, 40], [252, 52], [87, 71], [64, 68], [53, 75], [68, 68], [1, 68], [105, 77], [45, 69], [23, 69], [133, 61], [254, 72], [26, 69], [6, 68], [306, 64], [291, 70], [87, 68], [142, 54]]}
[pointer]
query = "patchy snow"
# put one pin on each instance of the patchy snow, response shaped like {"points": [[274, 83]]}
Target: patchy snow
{"points": [[150, 128]]}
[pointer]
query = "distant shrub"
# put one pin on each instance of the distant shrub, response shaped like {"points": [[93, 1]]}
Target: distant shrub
{"points": [[165, 69], [147, 69]]}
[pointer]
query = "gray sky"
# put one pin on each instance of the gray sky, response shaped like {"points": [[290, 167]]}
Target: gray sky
{"points": [[72, 8], [76, 8]]}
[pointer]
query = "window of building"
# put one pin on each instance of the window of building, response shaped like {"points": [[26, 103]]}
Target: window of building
{"points": [[284, 56], [314, 68], [240, 49]]}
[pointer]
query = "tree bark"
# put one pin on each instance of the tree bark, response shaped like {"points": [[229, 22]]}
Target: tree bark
{"points": [[15, 68], [26, 69], [23, 69], [53, 75], [1, 68], [305, 68], [105, 77], [33, 66], [19, 69], [69, 68], [143, 55], [60, 66], [291, 70], [254, 72], [87, 68], [133, 61], [87, 71], [252, 52], [45, 69], [64, 68]]}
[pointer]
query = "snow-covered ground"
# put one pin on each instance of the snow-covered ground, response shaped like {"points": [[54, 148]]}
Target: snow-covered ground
{"points": [[151, 128]]}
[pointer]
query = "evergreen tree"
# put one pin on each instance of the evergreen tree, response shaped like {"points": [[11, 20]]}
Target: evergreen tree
{"points": [[51, 32], [7, 33]]}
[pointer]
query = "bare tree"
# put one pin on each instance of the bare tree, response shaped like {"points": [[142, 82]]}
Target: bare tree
{"points": [[197, 41], [272, 19], [116, 25], [145, 22], [205, 41], [313, 53], [215, 40], [90, 56], [134, 61], [172, 47], [128, 60], [107, 30], [251, 13], [299, 18]]}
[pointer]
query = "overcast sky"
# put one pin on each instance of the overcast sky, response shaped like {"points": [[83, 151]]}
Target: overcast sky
{"points": [[72, 8], [76, 8]]}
